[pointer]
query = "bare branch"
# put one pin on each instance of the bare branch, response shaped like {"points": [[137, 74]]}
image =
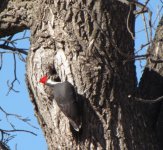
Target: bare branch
{"points": [[11, 85], [150, 25], [138, 4], [137, 57], [21, 57], [26, 120], [18, 130], [128, 28], [141, 47], [7, 133], [143, 7], [145, 25], [6, 137], [157, 16], [147, 100], [154, 22], [1, 60], [19, 39], [20, 50], [6, 42], [10, 45]]}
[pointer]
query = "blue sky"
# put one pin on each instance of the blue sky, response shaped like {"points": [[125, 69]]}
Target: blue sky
{"points": [[154, 6], [19, 103]]}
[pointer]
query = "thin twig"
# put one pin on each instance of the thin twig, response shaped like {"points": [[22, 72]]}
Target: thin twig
{"points": [[147, 100], [141, 47], [6, 139], [20, 50], [11, 85], [150, 25], [21, 57], [6, 42], [128, 18], [145, 25], [154, 22], [18, 130], [1, 60], [137, 57], [19, 39], [26, 120]]}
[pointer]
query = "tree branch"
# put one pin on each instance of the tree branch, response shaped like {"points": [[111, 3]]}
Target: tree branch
{"points": [[11, 86], [138, 4], [14, 17], [17, 130], [26, 120], [147, 100], [14, 49]]}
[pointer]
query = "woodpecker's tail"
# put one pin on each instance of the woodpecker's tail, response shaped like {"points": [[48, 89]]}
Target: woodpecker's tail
{"points": [[76, 125]]}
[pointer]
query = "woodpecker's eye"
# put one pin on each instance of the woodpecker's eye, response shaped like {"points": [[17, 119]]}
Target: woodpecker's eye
{"points": [[52, 70], [53, 74]]}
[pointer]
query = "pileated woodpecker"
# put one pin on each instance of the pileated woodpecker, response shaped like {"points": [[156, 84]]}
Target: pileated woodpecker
{"points": [[65, 97]]}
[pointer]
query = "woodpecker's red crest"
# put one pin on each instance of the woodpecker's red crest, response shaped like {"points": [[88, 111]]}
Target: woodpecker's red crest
{"points": [[43, 79]]}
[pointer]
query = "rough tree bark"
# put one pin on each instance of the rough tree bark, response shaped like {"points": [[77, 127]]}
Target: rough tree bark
{"points": [[151, 84], [88, 44], [3, 146]]}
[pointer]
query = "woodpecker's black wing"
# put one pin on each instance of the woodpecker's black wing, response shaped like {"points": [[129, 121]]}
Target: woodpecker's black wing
{"points": [[64, 95]]}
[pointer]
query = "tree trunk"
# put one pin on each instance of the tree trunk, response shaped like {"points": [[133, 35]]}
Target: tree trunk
{"points": [[89, 43], [151, 84], [3, 146]]}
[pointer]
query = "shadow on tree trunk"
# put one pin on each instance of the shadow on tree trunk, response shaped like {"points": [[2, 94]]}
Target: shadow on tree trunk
{"points": [[95, 132], [151, 87]]}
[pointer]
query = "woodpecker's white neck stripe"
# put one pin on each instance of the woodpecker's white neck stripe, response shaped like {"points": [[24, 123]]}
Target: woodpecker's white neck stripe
{"points": [[50, 82]]}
